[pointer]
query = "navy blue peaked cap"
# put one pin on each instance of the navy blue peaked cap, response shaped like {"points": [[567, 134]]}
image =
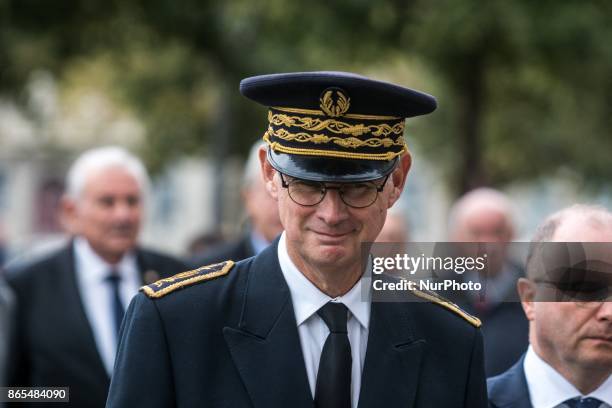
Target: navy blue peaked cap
{"points": [[335, 126]]}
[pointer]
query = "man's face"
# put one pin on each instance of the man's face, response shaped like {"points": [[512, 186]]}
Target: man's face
{"points": [[330, 233], [572, 334], [108, 212], [484, 224]]}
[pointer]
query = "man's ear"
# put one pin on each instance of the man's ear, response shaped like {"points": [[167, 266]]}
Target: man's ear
{"points": [[399, 176], [527, 292], [268, 172], [68, 214]]}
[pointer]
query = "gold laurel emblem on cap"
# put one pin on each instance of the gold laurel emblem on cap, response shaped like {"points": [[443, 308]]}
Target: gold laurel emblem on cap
{"points": [[334, 102]]}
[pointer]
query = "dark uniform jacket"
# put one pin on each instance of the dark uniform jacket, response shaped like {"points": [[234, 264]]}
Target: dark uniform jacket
{"points": [[53, 344], [509, 389], [231, 340]]}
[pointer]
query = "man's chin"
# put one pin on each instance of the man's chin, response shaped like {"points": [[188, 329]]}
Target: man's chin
{"points": [[336, 255], [119, 247]]}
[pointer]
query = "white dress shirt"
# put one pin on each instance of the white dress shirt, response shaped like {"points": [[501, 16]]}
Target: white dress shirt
{"points": [[96, 294], [548, 388], [307, 299]]}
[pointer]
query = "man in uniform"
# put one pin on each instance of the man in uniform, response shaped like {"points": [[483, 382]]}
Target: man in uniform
{"points": [[295, 325]]}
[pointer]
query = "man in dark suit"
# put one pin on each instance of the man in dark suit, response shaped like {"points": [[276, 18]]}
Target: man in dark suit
{"points": [[71, 303], [485, 215], [263, 222], [569, 361], [296, 326]]}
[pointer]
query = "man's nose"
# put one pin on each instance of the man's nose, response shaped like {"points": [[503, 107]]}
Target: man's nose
{"points": [[332, 209], [604, 311], [124, 209]]}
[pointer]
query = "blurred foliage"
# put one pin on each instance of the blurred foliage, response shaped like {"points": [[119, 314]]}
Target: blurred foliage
{"points": [[525, 88]]}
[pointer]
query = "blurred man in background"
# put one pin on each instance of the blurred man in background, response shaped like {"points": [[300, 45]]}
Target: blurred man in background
{"points": [[569, 360], [70, 304], [484, 215], [263, 219]]}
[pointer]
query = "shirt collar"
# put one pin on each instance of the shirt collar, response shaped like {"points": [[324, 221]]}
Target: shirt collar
{"points": [[604, 392], [548, 388], [307, 299], [93, 268]]}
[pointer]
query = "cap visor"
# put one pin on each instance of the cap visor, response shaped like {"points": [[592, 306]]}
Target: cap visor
{"points": [[330, 169]]}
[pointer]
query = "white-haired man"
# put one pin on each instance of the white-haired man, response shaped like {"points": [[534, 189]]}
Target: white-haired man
{"points": [[566, 298], [70, 304], [485, 215]]}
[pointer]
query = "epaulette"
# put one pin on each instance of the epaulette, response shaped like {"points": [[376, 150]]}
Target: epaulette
{"points": [[436, 298], [164, 286]]}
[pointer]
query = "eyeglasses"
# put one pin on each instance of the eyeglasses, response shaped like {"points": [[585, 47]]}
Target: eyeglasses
{"points": [[310, 193]]}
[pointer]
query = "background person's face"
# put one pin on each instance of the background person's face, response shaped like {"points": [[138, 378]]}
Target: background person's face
{"points": [[486, 224], [574, 335], [262, 210], [108, 212]]}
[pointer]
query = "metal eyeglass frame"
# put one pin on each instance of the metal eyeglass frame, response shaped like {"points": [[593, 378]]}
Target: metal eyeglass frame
{"points": [[325, 187]]}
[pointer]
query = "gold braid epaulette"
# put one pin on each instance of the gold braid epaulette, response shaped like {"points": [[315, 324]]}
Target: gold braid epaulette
{"points": [[164, 286], [434, 297]]}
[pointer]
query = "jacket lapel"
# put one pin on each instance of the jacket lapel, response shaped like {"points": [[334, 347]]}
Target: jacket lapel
{"points": [[265, 347], [393, 358], [509, 390]]}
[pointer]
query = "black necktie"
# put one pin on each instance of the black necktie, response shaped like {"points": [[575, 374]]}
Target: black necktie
{"points": [[583, 403], [116, 305], [333, 388]]}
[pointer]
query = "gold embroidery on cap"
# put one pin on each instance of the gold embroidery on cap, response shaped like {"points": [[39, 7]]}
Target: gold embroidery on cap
{"points": [[335, 126], [351, 142], [277, 147], [334, 102]]}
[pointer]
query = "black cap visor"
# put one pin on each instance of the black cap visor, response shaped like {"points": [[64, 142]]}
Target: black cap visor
{"points": [[330, 169]]}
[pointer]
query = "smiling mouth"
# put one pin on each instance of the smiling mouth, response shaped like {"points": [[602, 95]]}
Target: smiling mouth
{"points": [[332, 234], [327, 236]]}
